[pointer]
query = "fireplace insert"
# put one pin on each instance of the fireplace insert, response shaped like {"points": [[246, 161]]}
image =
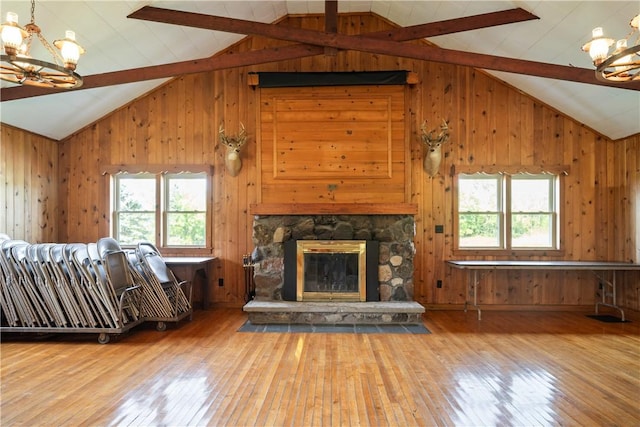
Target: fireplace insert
{"points": [[331, 270]]}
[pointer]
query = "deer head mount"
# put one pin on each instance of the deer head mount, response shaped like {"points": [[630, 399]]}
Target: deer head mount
{"points": [[232, 160], [433, 155]]}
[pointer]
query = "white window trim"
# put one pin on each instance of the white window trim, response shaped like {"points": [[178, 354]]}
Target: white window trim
{"points": [[505, 247], [112, 171]]}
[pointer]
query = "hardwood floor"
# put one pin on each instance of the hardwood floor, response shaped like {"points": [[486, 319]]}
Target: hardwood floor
{"points": [[511, 368]]}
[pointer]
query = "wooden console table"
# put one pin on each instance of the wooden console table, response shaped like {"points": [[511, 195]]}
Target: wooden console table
{"points": [[599, 268], [191, 266]]}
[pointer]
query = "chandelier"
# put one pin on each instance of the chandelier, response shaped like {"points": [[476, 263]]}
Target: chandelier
{"points": [[623, 64], [19, 67]]}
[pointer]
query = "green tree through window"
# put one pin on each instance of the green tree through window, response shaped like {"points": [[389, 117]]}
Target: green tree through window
{"points": [[186, 214], [135, 209]]}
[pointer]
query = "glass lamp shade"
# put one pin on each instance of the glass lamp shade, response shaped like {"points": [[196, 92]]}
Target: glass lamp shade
{"points": [[69, 49], [12, 35], [622, 64], [598, 47]]}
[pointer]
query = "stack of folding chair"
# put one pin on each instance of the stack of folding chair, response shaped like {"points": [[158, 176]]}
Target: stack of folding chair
{"points": [[95, 287], [66, 288]]}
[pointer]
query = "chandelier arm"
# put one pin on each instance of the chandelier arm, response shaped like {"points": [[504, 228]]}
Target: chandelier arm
{"points": [[604, 76], [613, 58], [47, 75], [22, 65]]}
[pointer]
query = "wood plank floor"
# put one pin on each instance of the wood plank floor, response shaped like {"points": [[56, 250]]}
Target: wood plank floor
{"points": [[511, 368]]}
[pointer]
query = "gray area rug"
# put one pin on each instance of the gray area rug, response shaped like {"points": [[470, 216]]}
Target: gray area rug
{"points": [[333, 329], [607, 318]]}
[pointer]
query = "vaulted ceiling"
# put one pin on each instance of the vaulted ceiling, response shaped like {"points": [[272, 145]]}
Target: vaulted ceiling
{"points": [[546, 43]]}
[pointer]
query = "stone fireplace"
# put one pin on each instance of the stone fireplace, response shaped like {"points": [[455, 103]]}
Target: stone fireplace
{"points": [[393, 267]]}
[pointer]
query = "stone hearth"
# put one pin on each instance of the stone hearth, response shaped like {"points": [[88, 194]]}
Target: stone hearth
{"points": [[395, 269], [390, 312]]}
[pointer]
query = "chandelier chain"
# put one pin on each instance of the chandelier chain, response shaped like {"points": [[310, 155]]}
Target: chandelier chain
{"points": [[45, 43]]}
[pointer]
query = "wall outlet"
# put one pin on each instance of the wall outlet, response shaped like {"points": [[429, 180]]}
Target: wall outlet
{"points": [[439, 228], [220, 281], [439, 284]]}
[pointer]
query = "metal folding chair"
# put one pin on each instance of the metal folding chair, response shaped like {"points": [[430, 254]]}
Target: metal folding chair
{"points": [[127, 292], [17, 306], [88, 277], [38, 298], [166, 286]]}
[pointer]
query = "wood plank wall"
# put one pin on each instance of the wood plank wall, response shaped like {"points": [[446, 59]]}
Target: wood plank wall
{"points": [[491, 124], [29, 191], [343, 144], [625, 214]]}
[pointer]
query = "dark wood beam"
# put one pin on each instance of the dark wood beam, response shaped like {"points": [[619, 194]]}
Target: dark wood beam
{"points": [[218, 62], [377, 46], [450, 26], [203, 65], [474, 22], [331, 23], [298, 51]]}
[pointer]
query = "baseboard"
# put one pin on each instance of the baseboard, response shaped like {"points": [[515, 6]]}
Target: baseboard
{"points": [[514, 307], [213, 305], [589, 308]]}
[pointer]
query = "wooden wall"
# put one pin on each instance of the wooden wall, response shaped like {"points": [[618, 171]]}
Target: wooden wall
{"points": [[29, 185], [343, 144], [626, 213], [491, 124]]}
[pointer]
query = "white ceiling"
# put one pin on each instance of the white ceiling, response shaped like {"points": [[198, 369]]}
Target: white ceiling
{"points": [[113, 42]]}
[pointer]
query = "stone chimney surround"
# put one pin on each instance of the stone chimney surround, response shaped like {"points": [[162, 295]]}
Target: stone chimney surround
{"points": [[392, 229]]}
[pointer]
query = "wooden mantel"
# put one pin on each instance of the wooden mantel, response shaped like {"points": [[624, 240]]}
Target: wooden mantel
{"points": [[333, 208]]}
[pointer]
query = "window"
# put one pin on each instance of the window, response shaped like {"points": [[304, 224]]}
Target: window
{"points": [[169, 210], [507, 212], [186, 210], [135, 208]]}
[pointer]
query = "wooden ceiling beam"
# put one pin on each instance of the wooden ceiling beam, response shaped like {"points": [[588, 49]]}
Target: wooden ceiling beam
{"points": [[331, 16], [457, 25], [217, 62], [278, 54], [331, 23], [376, 46], [414, 32], [321, 44]]}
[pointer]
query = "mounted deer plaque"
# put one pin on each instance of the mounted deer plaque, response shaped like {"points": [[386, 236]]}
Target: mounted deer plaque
{"points": [[232, 160], [433, 156]]}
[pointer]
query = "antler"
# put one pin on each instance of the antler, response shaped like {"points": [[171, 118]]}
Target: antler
{"points": [[443, 136], [234, 142]]}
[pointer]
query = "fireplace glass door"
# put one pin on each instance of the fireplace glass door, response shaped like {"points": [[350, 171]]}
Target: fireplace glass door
{"points": [[330, 270]]}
